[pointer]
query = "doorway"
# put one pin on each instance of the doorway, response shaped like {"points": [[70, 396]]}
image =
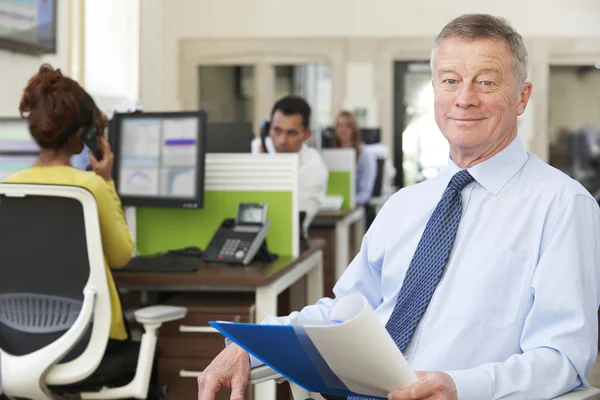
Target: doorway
{"points": [[420, 149]]}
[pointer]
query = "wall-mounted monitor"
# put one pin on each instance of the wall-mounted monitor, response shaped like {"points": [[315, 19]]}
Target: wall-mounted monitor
{"points": [[159, 158], [28, 26]]}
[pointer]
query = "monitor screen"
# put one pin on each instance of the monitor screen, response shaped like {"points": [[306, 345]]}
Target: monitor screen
{"points": [[159, 159], [15, 137], [11, 163], [252, 213]]}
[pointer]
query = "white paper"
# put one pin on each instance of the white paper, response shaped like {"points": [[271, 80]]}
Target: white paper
{"points": [[359, 350]]}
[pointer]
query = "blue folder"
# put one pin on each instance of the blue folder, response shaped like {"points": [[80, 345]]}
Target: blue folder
{"points": [[288, 350]]}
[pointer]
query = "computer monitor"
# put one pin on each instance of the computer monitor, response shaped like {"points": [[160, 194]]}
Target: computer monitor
{"points": [[228, 137], [327, 138], [15, 137], [370, 135], [159, 158]]}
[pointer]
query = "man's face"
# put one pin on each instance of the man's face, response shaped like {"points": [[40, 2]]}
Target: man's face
{"points": [[477, 100], [287, 132]]}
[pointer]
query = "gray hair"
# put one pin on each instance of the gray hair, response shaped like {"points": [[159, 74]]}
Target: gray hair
{"points": [[484, 26]]}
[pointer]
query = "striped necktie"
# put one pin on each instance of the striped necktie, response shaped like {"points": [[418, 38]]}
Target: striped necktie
{"points": [[427, 264]]}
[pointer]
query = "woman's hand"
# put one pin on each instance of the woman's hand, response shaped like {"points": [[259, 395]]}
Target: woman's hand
{"points": [[104, 166]]}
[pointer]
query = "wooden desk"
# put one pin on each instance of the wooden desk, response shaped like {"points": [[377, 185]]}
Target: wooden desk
{"points": [[267, 280], [341, 247]]}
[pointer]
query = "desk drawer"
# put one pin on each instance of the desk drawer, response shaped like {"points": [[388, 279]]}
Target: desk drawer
{"points": [[180, 376], [205, 345], [197, 323], [192, 336]]}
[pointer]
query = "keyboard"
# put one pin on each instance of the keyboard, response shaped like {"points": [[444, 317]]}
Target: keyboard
{"points": [[164, 263]]}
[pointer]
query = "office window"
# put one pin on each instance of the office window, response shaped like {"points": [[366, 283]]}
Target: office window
{"points": [[311, 81], [424, 148], [226, 92]]}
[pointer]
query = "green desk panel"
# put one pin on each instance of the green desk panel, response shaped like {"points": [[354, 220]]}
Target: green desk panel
{"points": [[162, 229]]}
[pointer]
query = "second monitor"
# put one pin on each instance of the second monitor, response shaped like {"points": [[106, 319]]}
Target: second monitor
{"points": [[228, 137], [159, 158]]}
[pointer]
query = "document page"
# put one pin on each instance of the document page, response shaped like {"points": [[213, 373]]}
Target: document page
{"points": [[359, 350]]}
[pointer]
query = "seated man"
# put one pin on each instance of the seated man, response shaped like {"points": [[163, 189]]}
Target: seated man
{"points": [[289, 129], [486, 277]]}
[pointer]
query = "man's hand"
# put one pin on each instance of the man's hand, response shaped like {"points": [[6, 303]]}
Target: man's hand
{"points": [[230, 369], [431, 386]]}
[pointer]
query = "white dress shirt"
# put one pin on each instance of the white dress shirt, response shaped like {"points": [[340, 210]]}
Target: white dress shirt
{"points": [[515, 313], [312, 182]]}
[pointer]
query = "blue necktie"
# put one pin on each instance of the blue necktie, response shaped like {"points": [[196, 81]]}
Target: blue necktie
{"points": [[427, 264]]}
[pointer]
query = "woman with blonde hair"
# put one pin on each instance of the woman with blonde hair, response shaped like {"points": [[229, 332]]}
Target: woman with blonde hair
{"points": [[347, 134]]}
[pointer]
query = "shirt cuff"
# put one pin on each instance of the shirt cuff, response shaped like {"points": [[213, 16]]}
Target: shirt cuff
{"points": [[254, 362], [472, 384]]}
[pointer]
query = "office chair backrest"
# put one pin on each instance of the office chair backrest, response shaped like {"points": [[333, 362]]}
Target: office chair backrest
{"points": [[46, 255], [378, 185]]}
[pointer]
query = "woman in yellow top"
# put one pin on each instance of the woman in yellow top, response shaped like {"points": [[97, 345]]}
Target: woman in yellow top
{"points": [[52, 105]]}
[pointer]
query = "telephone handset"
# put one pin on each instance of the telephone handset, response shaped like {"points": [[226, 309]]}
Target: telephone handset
{"points": [[264, 133], [241, 240], [91, 139]]}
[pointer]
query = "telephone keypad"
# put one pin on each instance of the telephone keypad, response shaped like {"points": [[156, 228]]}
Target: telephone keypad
{"points": [[235, 248]]}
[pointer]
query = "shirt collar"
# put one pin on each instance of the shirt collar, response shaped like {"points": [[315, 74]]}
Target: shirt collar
{"points": [[496, 171]]}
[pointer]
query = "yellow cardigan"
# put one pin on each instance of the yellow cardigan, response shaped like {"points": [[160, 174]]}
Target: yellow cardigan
{"points": [[116, 239]]}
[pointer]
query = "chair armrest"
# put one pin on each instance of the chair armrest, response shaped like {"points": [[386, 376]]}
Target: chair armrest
{"points": [[264, 373], [585, 394], [159, 314]]}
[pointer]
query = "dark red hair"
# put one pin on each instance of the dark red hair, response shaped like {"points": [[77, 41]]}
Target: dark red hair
{"points": [[50, 103]]}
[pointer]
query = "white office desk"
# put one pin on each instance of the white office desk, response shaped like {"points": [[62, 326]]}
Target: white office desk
{"points": [[342, 221]]}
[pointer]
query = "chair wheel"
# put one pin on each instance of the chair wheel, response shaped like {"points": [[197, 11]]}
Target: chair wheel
{"points": [[158, 392], [164, 390]]}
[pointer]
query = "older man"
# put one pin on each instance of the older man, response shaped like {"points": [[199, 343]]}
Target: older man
{"points": [[486, 276]]}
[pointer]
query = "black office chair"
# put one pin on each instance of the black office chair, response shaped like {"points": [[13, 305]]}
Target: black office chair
{"points": [[378, 186], [370, 211], [55, 310]]}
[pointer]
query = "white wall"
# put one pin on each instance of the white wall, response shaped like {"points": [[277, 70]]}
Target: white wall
{"points": [[165, 22], [372, 31], [111, 52], [16, 69], [360, 18]]}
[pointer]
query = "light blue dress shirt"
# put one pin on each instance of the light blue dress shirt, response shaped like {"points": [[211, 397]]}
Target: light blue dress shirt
{"points": [[366, 174], [515, 313]]}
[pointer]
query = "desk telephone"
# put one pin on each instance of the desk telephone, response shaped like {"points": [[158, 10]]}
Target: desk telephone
{"points": [[241, 240]]}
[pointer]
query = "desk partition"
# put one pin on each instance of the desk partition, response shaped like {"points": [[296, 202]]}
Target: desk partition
{"points": [[342, 170], [230, 179]]}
